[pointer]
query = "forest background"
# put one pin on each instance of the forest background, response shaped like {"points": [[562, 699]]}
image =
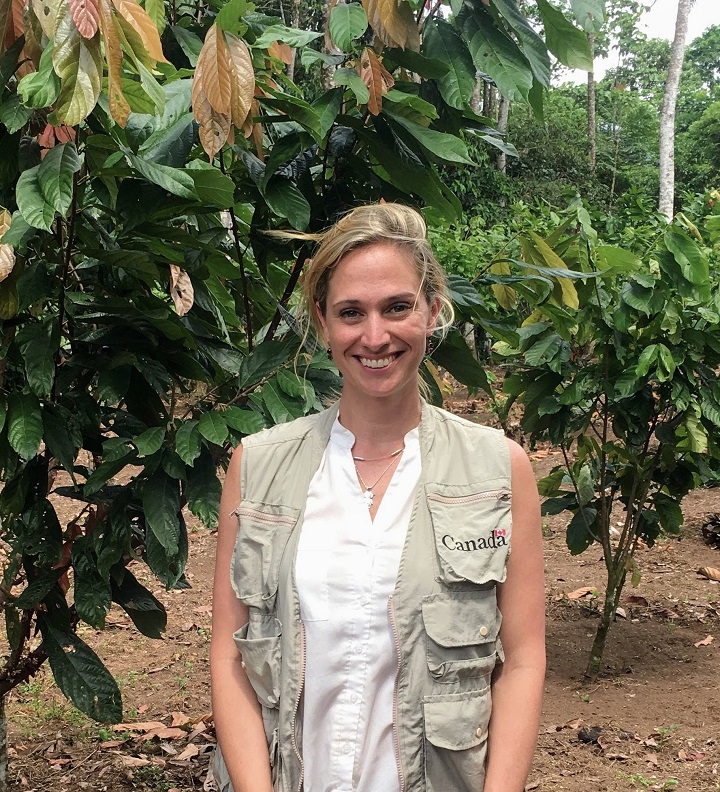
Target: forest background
{"points": [[149, 322]]}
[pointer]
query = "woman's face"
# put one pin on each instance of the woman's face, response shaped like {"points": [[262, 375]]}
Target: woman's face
{"points": [[377, 321]]}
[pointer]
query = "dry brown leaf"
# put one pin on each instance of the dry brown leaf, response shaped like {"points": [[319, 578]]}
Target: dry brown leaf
{"points": [[5, 220], [187, 753], [141, 726], [214, 127], [119, 107], [138, 18], [710, 573], [377, 78], [7, 260], [652, 759], [86, 16], [133, 761], [393, 23], [618, 756], [213, 64], [164, 733], [705, 641], [280, 51], [635, 599], [179, 719], [621, 612], [581, 592], [181, 290], [242, 79]]}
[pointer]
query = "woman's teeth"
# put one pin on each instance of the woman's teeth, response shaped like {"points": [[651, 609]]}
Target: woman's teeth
{"points": [[381, 363]]}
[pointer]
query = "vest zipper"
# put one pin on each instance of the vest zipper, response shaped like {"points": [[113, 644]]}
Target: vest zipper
{"points": [[297, 706], [500, 494], [401, 775], [260, 516]]}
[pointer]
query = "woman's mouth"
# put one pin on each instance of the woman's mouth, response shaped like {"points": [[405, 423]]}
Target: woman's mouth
{"points": [[377, 363]]}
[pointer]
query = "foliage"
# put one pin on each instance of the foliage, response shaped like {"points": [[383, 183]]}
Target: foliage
{"points": [[625, 383], [147, 319]]}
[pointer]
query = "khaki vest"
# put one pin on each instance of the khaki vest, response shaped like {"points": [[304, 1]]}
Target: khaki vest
{"points": [[443, 611]]}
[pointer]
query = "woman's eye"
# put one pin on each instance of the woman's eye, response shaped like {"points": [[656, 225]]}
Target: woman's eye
{"points": [[349, 313], [399, 308]]}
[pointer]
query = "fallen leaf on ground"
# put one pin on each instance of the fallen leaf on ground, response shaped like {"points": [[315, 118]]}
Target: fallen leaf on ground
{"points": [[652, 759], [134, 761], [165, 733], [188, 753], [710, 573], [705, 641], [145, 726], [619, 756], [636, 599], [581, 592], [621, 613], [179, 719]]}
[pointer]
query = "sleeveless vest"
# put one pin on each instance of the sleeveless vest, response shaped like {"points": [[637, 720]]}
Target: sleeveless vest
{"points": [[443, 611]]}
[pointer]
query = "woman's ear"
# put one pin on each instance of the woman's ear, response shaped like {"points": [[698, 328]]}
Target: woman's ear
{"points": [[435, 307], [322, 321]]}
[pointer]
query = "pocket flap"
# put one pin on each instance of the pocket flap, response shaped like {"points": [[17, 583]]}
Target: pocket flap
{"points": [[458, 721], [461, 618]]}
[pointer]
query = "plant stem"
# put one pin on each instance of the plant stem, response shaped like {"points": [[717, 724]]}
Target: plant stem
{"points": [[287, 293], [3, 746]]}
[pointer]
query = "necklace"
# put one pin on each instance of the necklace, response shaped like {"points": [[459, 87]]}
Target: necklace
{"points": [[368, 494], [378, 459]]}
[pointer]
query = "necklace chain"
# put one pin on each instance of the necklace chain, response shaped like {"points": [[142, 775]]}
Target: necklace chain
{"points": [[368, 494], [379, 459]]}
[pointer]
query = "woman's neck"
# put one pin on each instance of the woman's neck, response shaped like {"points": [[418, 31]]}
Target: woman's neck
{"points": [[379, 424]]}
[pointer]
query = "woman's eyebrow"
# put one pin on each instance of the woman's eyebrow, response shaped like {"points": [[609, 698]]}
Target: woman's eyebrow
{"points": [[404, 297]]}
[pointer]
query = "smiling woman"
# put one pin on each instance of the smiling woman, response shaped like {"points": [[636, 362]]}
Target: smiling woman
{"points": [[363, 565]]}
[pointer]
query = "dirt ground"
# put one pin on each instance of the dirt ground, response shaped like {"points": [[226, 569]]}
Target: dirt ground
{"points": [[651, 721]]}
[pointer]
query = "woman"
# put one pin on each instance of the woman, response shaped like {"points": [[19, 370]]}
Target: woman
{"points": [[369, 586]]}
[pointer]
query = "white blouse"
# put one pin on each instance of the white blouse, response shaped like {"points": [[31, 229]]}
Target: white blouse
{"points": [[346, 570]]}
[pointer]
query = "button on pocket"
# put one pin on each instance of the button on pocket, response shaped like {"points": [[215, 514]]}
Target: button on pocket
{"points": [[462, 630], [456, 740], [472, 529], [311, 573]]}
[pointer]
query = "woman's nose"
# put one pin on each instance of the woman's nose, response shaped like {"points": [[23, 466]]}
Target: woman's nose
{"points": [[375, 332]]}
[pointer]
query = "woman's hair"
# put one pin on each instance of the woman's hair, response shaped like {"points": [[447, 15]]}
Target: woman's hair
{"points": [[382, 223]]}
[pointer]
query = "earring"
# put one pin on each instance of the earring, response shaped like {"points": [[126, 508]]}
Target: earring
{"points": [[329, 353], [429, 346]]}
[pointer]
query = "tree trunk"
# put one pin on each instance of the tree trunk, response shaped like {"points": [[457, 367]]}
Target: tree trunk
{"points": [[295, 22], [615, 582], [592, 126], [476, 100], [502, 125], [667, 112], [3, 746]]}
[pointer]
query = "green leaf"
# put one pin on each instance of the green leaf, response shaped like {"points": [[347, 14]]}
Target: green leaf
{"points": [[647, 357], [230, 17], [590, 14], [497, 55], [212, 187], [168, 567], [286, 200], [24, 424], [579, 536], [616, 260], [352, 80], [40, 89], [174, 180], [34, 208], [189, 43], [61, 435], [161, 504], [297, 110], [549, 351], [212, 427], [586, 485], [442, 43], [533, 46], [438, 144], [568, 44], [244, 421], [81, 676], [13, 114], [91, 592], [13, 628], [669, 512], [501, 144], [149, 441], [280, 411], [38, 343], [146, 611], [454, 354], [188, 442], [266, 358], [152, 88], [689, 256], [35, 592], [203, 489], [291, 36], [327, 106], [348, 22]]}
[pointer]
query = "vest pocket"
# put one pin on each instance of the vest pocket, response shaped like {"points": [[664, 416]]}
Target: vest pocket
{"points": [[462, 635], [456, 728], [263, 533], [472, 529], [261, 659]]}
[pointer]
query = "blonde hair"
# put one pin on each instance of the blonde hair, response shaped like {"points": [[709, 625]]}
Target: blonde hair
{"points": [[391, 224]]}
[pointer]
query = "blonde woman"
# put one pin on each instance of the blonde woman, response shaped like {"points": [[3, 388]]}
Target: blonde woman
{"points": [[371, 630]]}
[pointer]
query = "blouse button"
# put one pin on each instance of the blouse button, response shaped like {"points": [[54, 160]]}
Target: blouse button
{"points": [[479, 733], [483, 631]]}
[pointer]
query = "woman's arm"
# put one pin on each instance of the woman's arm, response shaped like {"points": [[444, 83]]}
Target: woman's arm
{"points": [[236, 711], [518, 682]]}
